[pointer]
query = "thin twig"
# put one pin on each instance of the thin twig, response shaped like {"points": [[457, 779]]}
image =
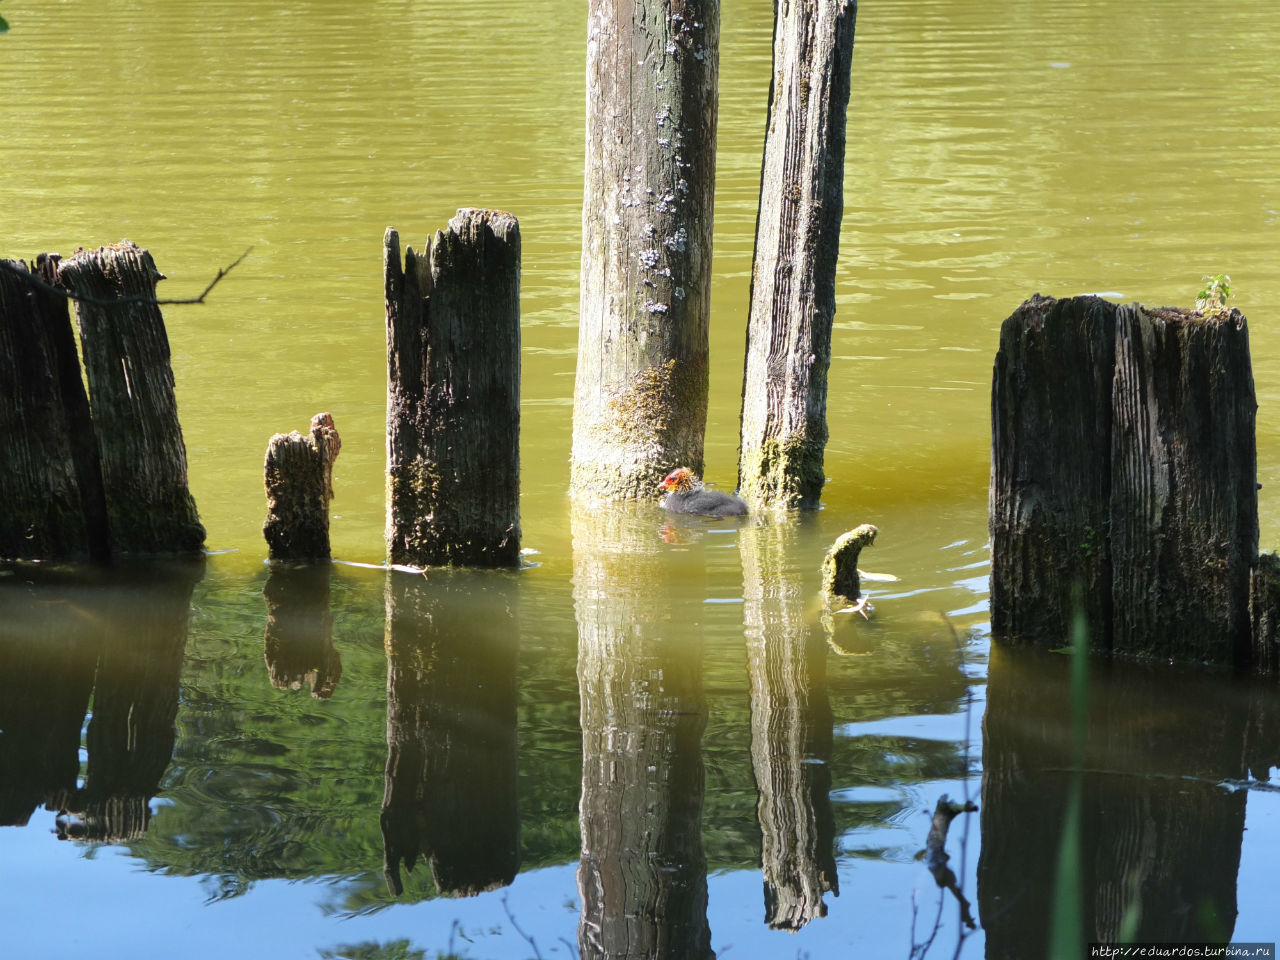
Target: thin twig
{"points": [[533, 943], [41, 284]]}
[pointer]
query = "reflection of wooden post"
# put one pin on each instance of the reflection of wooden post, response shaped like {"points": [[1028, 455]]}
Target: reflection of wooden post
{"points": [[793, 278], [135, 700], [51, 486], [135, 413], [640, 398], [791, 734], [299, 481], [643, 873], [451, 731], [1123, 479], [453, 394], [298, 642], [50, 639], [1157, 831]]}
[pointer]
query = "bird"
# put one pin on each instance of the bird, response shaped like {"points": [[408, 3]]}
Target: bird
{"points": [[686, 494]]}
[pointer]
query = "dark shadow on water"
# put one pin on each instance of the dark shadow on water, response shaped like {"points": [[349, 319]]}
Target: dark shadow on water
{"points": [[298, 642]]}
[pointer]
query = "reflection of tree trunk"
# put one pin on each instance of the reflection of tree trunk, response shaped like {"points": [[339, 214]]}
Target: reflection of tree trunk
{"points": [[643, 873], [1157, 832], [299, 636], [135, 700], [791, 736], [49, 643], [451, 730]]}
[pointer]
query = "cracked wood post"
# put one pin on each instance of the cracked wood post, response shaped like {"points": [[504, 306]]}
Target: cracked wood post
{"points": [[51, 484], [299, 483], [784, 386], [453, 394], [1124, 479], [640, 397], [149, 507]]}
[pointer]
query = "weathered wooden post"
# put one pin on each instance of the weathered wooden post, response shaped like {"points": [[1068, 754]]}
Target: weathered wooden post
{"points": [[299, 483], [784, 387], [453, 394], [840, 578], [135, 414], [1124, 479], [51, 485], [640, 399]]}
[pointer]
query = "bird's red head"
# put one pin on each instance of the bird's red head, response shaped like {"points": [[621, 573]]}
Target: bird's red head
{"points": [[678, 480]]}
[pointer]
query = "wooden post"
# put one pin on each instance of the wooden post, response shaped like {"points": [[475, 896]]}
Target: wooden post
{"points": [[840, 566], [453, 394], [299, 482], [791, 732], [784, 388], [51, 485], [135, 414], [640, 399], [1123, 479]]}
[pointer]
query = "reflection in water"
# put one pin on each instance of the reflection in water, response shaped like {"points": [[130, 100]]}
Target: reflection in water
{"points": [[643, 872], [791, 734], [451, 729], [120, 633], [299, 636], [1160, 838]]}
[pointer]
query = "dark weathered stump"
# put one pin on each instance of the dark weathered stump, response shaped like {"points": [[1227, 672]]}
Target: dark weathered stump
{"points": [[135, 414], [640, 398], [50, 485], [453, 400], [643, 872], [1264, 610], [840, 578], [298, 641], [1123, 479], [299, 483], [451, 775], [791, 732], [793, 304]]}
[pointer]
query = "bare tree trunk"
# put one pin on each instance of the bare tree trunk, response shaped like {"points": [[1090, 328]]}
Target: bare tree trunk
{"points": [[51, 484], [1124, 479], [784, 388], [640, 401], [453, 394], [135, 414], [299, 482]]}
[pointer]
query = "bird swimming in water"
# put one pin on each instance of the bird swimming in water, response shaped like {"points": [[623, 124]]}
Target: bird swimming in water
{"points": [[686, 494]]}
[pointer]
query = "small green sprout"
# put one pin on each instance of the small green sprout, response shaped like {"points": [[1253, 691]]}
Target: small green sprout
{"points": [[1212, 300]]}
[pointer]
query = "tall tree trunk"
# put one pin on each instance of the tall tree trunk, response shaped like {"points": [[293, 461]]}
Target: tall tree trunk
{"points": [[135, 413], [640, 401], [453, 394], [784, 387], [51, 484]]}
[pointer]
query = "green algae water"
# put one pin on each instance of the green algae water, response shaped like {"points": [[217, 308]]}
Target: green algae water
{"points": [[653, 729]]}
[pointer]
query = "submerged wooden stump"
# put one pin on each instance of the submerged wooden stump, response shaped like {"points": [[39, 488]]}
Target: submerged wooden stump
{"points": [[51, 485], [1124, 479], [453, 394], [793, 303], [135, 414], [299, 482], [840, 566]]}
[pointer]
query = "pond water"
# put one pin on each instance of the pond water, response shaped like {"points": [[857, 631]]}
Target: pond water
{"points": [[650, 734]]}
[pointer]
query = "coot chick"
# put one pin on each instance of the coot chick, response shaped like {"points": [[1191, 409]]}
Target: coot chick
{"points": [[686, 494]]}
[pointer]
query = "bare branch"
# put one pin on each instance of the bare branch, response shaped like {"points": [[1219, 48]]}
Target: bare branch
{"points": [[43, 285]]}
